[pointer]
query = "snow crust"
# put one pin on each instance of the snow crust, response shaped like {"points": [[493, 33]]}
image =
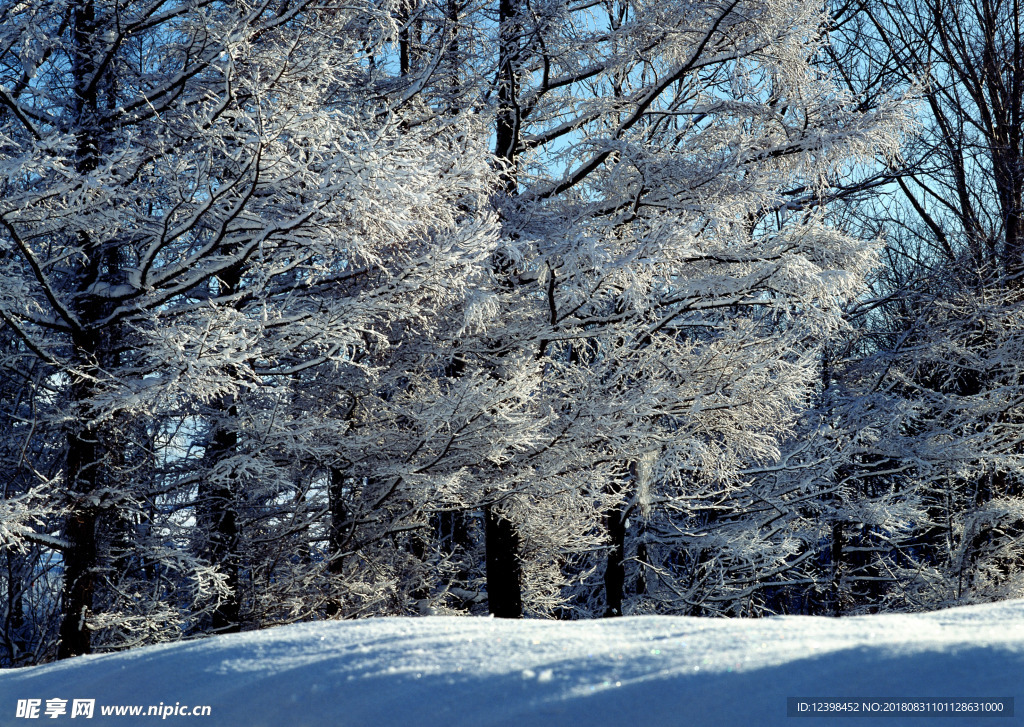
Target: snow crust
{"points": [[419, 672]]}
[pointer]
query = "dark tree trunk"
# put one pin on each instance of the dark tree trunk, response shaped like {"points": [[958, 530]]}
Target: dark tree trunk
{"points": [[218, 501], [615, 570], [836, 585], [643, 559], [507, 131], [504, 573], [338, 535], [452, 531], [14, 625], [501, 541], [81, 558], [79, 584], [220, 525]]}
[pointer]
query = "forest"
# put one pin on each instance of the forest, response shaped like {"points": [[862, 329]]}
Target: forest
{"points": [[558, 309]]}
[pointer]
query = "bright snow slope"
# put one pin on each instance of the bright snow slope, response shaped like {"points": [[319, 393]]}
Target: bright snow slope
{"points": [[624, 672]]}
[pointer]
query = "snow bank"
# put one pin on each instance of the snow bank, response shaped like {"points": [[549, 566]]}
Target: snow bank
{"points": [[480, 672]]}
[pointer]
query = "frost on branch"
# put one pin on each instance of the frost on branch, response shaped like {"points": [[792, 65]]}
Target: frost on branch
{"points": [[296, 342]]}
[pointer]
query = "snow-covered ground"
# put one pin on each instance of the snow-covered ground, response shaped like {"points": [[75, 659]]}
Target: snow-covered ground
{"points": [[630, 672]]}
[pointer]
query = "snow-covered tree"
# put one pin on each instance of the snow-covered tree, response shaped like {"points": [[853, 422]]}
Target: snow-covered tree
{"points": [[207, 207], [927, 394], [285, 341], [666, 268]]}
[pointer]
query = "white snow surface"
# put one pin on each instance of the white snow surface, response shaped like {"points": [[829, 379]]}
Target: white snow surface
{"points": [[657, 670]]}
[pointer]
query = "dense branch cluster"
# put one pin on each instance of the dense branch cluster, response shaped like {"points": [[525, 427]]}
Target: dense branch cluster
{"points": [[562, 309]]}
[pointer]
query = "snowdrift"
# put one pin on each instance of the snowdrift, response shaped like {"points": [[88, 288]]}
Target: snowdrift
{"points": [[620, 672]]}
